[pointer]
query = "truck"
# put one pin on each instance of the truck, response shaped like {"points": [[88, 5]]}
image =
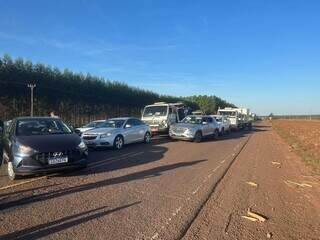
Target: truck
{"points": [[239, 117], [161, 115]]}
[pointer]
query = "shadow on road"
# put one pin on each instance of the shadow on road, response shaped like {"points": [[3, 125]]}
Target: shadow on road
{"points": [[132, 155], [46, 229], [27, 190], [153, 172]]}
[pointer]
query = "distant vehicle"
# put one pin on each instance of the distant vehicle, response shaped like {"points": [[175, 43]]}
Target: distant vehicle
{"points": [[35, 145], [195, 128], [117, 132], [239, 117], [223, 122], [91, 125], [160, 116]]}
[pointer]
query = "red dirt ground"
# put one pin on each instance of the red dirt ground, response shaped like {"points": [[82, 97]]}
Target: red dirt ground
{"points": [[306, 131]]}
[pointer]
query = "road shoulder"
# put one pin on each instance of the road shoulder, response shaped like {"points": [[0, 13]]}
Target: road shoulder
{"points": [[287, 194]]}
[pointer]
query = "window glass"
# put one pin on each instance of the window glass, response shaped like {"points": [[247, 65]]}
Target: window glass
{"points": [[30, 127], [137, 122], [155, 111], [112, 123], [130, 122]]}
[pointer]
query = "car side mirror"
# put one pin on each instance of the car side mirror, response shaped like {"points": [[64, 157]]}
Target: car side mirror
{"points": [[77, 131], [128, 126]]}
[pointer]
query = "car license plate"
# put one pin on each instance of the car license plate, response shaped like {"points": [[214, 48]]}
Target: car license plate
{"points": [[57, 160]]}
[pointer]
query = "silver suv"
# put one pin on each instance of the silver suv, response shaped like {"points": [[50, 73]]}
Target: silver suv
{"points": [[195, 128], [117, 132]]}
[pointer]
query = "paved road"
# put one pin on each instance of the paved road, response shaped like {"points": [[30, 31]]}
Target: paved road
{"points": [[141, 192]]}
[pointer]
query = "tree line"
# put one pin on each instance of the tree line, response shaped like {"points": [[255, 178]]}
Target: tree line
{"points": [[78, 98]]}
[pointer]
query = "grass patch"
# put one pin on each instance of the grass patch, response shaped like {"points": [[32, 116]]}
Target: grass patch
{"points": [[299, 147]]}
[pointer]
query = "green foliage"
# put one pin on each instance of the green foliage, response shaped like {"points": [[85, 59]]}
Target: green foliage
{"points": [[209, 104], [76, 97]]}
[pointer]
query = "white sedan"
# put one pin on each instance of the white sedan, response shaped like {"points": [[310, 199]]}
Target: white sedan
{"points": [[117, 132]]}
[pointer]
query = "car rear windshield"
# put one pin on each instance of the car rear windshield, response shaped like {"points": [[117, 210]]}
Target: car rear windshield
{"points": [[32, 127], [113, 124], [155, 111], [193, 120]]}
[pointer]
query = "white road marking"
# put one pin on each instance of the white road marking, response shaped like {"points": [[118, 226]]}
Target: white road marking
{"points": [[155, 236], [195, 191], [216, 168]]}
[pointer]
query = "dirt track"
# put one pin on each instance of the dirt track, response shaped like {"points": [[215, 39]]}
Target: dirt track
{"points": [[156, 191]]}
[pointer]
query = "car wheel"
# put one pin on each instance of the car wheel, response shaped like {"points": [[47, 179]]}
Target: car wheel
{"points": [[11, 174], [147, 137], [198, 137], [216, 134], [4, 159], [222, 132], [118, 142]]}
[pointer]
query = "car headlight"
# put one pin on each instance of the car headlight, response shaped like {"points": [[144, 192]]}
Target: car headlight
{"points": [[105, 135], [22, 149], [82, 145], [189, 131]]}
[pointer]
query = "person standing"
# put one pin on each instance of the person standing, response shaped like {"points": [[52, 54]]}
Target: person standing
{"points": [[53, 114]]}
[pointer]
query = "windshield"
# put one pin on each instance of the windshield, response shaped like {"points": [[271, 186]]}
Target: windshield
{"points": [[228, 113], [155, 111], [32, 127], [193, 120], [94, 124], [113, 124], [218, 119]]}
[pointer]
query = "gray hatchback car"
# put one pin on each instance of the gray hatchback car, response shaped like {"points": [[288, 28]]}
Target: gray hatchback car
{"points": [[195, 128]]}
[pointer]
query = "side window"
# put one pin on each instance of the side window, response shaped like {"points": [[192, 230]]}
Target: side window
{"points": [[130, 122], [137, 122], [210, 120], [170, 110]]}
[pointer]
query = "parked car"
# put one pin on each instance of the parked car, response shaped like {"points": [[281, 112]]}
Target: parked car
{"points": [[35, 145], [89, 126], [224, 124], [117, 132], [195, 128]]}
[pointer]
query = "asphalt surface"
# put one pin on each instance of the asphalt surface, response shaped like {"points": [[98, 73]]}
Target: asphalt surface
{"points": [[152, 191]]}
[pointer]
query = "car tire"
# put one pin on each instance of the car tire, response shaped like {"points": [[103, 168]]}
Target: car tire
{"points": [[118, 142], [4, 160], [222, 132], [147, 137], [216, 134], [198, 137], [10, 170]]}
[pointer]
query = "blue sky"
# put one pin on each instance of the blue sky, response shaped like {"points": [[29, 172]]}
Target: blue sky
{"points": [[261, 54]]}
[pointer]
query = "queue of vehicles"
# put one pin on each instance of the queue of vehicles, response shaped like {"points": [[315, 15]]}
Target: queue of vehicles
{"points": [[33, 145]]}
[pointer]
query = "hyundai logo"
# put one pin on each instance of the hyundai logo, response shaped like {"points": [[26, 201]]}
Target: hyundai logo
{"points": [[57, 154]]}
